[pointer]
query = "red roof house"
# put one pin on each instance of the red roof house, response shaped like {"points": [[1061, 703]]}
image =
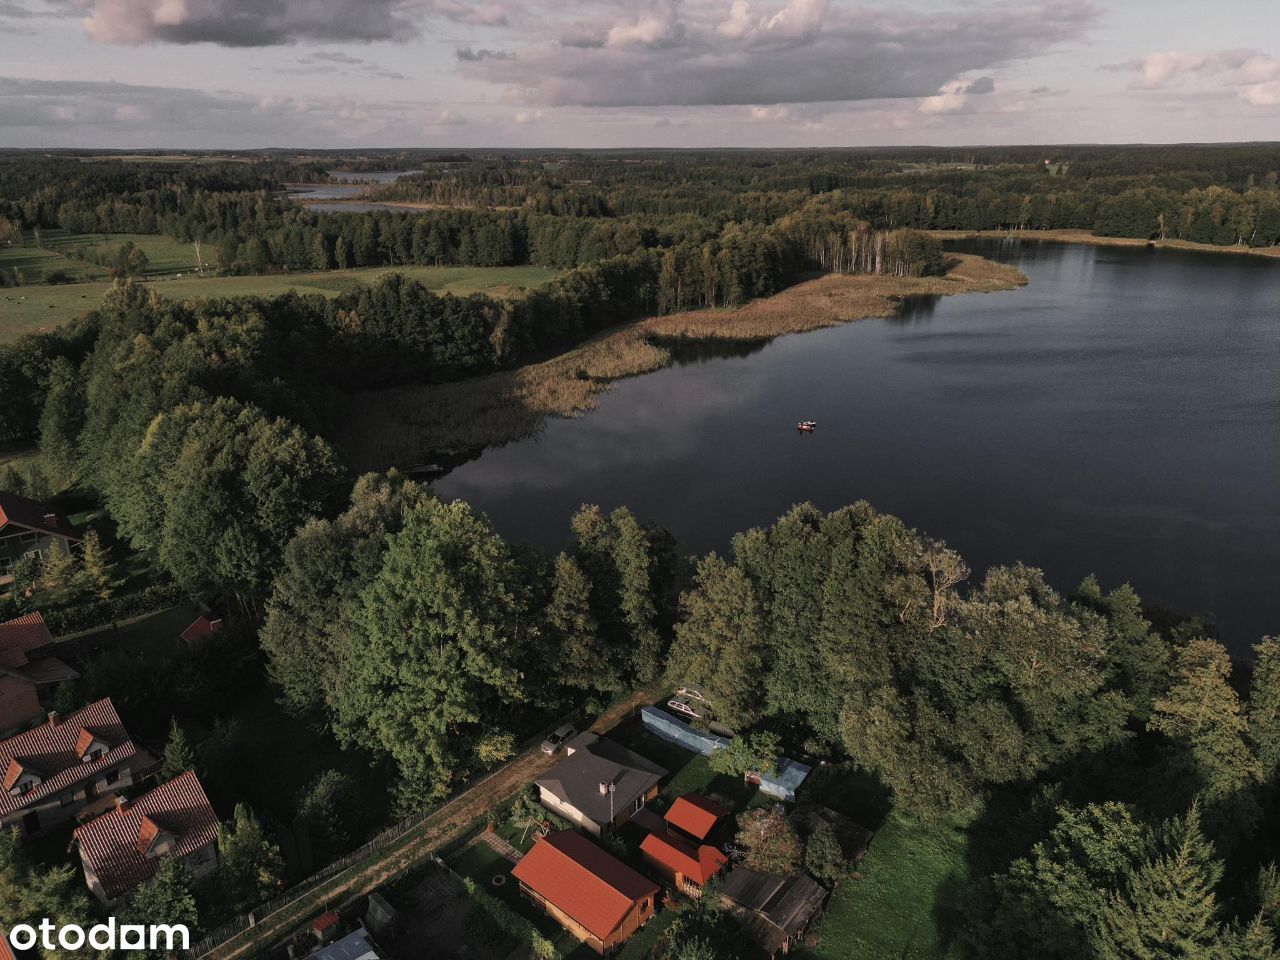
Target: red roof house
{"points": [[52, 772], [26, 671], [685, 865], [695, 815], [201, 630], [123, 848], [594, 895]]}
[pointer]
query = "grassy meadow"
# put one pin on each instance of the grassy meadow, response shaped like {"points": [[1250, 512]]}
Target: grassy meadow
{"points": [[39, 307]]}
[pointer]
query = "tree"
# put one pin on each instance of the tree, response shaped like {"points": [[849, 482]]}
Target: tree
{"points": [[61, 420], [1202, 715], [179, 756], [325, 811], [97, 571], [583, 659], [752, 752], [720, 643], [29, 894], [250, 868], [1168, 907], [436, 655], [1264, 708], [770, 840], [10, 232], [58, 571], [167, 898], [823, 857]]}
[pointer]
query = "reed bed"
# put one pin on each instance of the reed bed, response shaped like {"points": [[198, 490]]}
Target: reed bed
{"points": [[415, 425]]}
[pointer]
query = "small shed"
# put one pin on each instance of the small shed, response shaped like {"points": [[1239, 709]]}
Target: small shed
{"points": [[784, 782], [673, 730]]}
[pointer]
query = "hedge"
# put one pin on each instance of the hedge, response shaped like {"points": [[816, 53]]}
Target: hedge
{"points": [[509, 922], [98, 613]]}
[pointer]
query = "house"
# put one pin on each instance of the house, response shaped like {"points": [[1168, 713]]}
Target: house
{"points": [[774, 911], [686, 866], [204, 627], [354, 946], [65, 767], [591, 893], [599, 785], [695, 816], [123, 847], [27, 529], [27, 671]]}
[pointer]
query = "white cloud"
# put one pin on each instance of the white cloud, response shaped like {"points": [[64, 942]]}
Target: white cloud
{"points": [[1248, 75]]}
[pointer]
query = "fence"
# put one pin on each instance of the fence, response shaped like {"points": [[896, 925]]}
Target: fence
{"points": [[234, 928]]}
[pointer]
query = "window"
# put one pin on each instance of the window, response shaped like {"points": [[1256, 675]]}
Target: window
{"points": [[112, 775], [94, 754], [638, 805], [24, 787]]}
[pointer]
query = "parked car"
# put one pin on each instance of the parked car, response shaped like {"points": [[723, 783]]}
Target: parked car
{"points": [[557, 737], [681, 705]]}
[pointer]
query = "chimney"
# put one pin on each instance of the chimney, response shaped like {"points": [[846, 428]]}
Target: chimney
{"points": [[604, 788], [122, 803], [54, 719]]}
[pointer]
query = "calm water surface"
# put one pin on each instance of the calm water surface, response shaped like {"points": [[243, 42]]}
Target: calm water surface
{"points": [[1120, 415]]}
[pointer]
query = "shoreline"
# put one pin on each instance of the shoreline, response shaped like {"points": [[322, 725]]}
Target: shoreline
{"points": [[431, 422], [1087, 238]]}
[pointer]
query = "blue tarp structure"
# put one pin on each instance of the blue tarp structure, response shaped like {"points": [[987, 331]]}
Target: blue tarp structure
{"points": [[786, 781], [680, 733]]}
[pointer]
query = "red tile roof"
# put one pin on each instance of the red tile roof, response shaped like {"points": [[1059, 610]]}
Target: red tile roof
{"points": [[115, 844], [19, 637], [590, 885], [699, 864], [325, 922], [695, 815], [5, 952], [49, 750], [34, 516]]}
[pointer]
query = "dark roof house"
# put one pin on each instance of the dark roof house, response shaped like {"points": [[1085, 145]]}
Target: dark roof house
{"points": [[599, 784], [122, 848], [592, 893], [774, 910], [21, 513]]}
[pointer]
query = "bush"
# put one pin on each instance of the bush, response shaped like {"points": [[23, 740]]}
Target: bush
{"points": [[502, 918], [97, 613], [823, 857]]}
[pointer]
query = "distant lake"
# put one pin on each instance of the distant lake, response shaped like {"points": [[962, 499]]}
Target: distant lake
{"points": [[1120, 415], [351, 185]]}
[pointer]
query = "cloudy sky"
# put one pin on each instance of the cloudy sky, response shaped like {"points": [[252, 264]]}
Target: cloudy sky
{"points": [[600, 73]]}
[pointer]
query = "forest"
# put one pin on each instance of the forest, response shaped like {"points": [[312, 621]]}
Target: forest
{"points": [[1112, 769]]}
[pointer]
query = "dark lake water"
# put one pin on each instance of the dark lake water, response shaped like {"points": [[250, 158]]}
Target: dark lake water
{"points": [[351, 185], [1120, 416]]}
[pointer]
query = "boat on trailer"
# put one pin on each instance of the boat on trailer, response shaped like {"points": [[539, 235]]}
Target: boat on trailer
{"points": [[807, 426]]}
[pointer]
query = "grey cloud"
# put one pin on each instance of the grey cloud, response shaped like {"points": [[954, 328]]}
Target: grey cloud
{"points": [[804, 51], [467, 55], [334, 60], [981, 85]]}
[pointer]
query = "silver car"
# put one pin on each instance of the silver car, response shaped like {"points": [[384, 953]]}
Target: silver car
{"points": [[557, 738]]}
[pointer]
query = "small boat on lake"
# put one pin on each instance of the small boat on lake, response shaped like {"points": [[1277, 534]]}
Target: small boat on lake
{"points": [[807, 426]]}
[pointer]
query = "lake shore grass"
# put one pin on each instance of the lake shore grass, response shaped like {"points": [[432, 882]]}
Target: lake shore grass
{"points": [[414, 425], [1085, 237]]}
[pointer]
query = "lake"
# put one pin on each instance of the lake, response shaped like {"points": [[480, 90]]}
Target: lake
{"points": [[1120, 415], [349, 185]]}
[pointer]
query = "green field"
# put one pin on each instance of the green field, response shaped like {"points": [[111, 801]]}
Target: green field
{"points": [[903, 903], [36, 308]]}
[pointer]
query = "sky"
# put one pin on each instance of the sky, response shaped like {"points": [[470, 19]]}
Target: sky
{"points": [[239, 74]]}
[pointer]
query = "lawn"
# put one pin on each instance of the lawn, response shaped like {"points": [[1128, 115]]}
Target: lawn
{"points": [[40, 308], [905, 900], [688, 772]]}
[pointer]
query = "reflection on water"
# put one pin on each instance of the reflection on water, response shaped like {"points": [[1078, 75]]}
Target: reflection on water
{"points": [[685, 350], [1119, 416]]}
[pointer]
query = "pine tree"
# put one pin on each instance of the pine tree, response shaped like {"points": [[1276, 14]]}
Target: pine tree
{"points": [[166, 898], [1168, 908], [62, 420], [250, 867], [584, 662], [96, 567], [179, 756], [58, 569], [1264, 708]]}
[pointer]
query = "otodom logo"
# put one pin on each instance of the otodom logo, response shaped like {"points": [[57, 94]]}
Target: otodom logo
{"points": [[101, 936]]}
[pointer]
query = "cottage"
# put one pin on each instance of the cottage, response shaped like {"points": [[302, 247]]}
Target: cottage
{"points": [[63, 768], [123, 848], [592, 894], [599, 785], [201, 629], [27, 671], [695, 816], [28, 529], [774, 911], [686, 866]]}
